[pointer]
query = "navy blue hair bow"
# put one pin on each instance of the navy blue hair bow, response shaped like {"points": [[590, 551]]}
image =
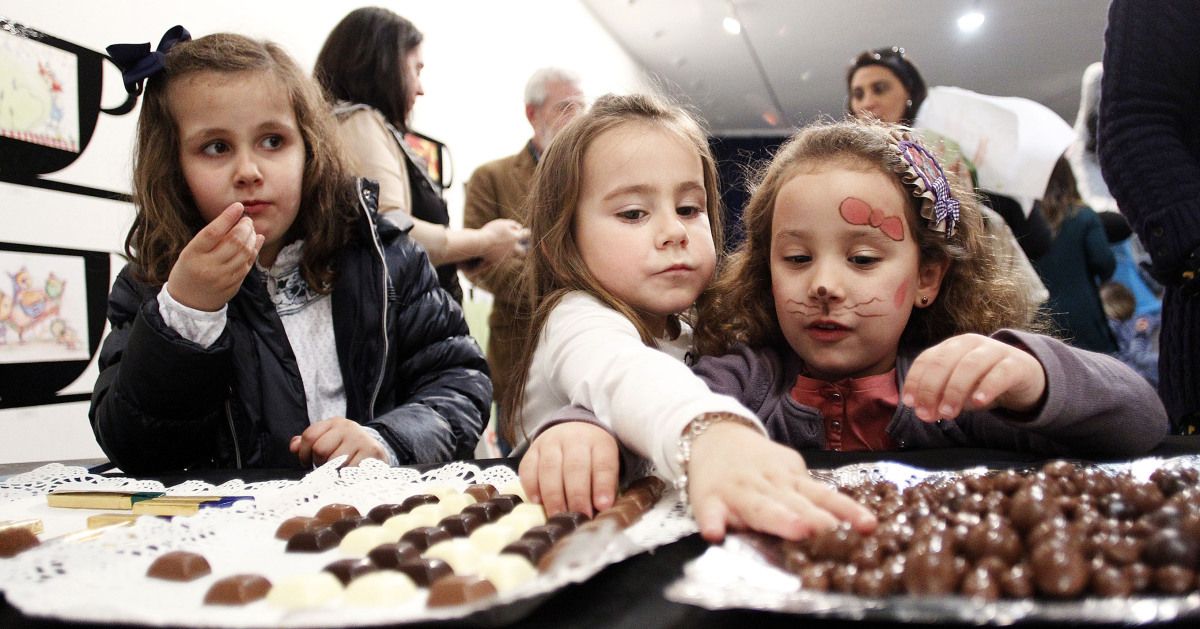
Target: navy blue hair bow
{"points": [[138, 62]]}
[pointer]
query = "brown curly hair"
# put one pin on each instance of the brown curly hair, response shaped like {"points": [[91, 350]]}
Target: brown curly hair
{"points": [[975, 296], [167, 217], [554, 266]]}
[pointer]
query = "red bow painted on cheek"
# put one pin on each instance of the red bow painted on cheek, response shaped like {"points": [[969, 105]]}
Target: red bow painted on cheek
{"points": [[858, 212]]}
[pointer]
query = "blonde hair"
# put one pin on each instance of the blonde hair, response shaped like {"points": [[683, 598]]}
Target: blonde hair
{"points": [[554, 266], [167, 217], [976, 295]]}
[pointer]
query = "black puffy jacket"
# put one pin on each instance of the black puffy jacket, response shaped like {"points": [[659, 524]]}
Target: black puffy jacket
{"points": [[411, 371]]}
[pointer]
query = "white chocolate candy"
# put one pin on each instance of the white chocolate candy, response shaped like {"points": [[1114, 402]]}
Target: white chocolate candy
{"points": [[360, 541], [491, 538], [460, 553], [427, 515], [515, 488], [528, 513], [442, 491], [382, 588], [305, 590], [507, 571], [398, 525], [454, 503]]}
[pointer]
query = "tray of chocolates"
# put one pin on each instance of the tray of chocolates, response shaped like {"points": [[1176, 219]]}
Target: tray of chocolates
{"points": [[1062, 542], [345, 548]]}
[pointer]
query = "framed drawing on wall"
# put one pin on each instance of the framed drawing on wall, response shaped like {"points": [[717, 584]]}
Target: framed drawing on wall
{"points": [[52, 310]]}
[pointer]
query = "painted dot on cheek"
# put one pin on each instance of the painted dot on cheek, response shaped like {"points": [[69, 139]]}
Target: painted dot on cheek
{"points": [[901, 294]]}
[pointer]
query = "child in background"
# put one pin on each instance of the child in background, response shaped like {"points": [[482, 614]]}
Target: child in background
{"points": [[267, 318], [1137, 337], [624, 216], [866, 311]]}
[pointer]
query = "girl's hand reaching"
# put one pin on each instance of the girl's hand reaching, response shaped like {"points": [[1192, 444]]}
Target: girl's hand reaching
{"points": [[973, 372], [334, 437], [571, 467], [210, 269], [740, 479]]}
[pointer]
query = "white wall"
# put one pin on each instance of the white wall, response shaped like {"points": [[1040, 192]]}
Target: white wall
{"points": [[478, 54]]}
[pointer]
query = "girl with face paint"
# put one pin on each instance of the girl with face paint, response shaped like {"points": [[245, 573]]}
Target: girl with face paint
{"points": [[866, 310]]}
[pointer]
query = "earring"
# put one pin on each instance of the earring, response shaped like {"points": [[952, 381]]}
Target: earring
{"points": [[908, 103], [924, 300]]}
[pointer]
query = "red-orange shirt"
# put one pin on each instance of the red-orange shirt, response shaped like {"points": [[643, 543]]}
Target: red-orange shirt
{"points": [[856, 411]]}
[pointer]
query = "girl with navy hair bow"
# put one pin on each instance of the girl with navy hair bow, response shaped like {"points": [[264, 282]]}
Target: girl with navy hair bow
{"points": [[267, 317]]}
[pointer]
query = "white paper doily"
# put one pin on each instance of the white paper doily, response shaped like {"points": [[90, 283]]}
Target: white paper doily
{"points": [[103, 579]]}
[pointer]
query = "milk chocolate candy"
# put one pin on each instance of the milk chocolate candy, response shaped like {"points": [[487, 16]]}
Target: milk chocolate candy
{"points": [[345, 525], [481, 491], [291, 526], [179, 565], [412, 502], [643, 499], [569, 520], [424, 537], [425, 570], [314, 541], [461, 524], [459, 590], [621, 514], [487, 511], [532, 549], [380, 513], [550, 533], [331, 513], [238, 589], [347, 570], [16, 539], [389, 556], [652, 484]]}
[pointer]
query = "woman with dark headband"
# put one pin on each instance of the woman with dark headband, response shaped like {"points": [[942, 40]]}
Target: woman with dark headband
{"points": [[884, 83]]}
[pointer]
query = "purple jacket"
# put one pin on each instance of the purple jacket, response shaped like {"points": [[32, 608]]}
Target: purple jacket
{"points": [[1094, 405]]}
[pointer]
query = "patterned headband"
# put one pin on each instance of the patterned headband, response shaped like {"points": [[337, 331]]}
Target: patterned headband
{"points": [[921, 171]]}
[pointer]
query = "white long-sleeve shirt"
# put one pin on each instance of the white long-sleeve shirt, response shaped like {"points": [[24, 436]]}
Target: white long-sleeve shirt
{"points": [[590, 355]]}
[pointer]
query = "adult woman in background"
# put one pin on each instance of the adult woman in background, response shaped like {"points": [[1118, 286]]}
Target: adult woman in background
{"points": [[371, 66], [1078, 261], [884, 84]]}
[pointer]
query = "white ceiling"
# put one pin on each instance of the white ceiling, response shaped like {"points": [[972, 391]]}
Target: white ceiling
{"points": [[792, 54]]}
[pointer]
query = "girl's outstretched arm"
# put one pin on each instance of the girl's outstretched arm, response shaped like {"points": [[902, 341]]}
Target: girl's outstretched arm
{"points": [[740, 479]]}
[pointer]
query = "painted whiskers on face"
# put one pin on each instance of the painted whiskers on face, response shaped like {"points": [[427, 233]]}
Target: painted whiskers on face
{"points": [[823, 307]]}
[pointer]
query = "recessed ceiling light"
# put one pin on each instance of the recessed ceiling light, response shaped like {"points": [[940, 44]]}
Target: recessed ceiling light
{"points": [[732, 25], [970, 22]]}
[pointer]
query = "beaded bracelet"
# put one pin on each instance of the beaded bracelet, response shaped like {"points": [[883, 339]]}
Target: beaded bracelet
{"points": [[694, 429]]}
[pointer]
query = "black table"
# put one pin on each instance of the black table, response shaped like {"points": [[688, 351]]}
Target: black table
{"points": [[629, 594]]}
